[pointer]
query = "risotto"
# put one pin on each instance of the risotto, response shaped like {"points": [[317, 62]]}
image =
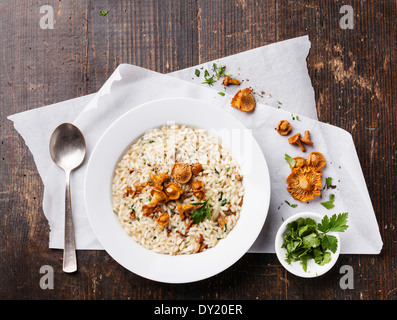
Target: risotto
{"points": [[177, 190]]}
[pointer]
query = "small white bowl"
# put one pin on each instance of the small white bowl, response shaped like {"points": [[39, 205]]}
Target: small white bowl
{"points": [[313, 269]]}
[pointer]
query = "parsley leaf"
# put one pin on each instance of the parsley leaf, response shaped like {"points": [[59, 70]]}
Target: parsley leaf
{"points": [[103, 12], [197, 72], [329, 204], [203, 212], [311, 240], [330, 242], [290, 160], [321, 257], [337, 223]]}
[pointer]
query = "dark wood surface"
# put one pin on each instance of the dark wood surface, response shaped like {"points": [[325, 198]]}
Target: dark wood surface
{"points": [[353, 73]]}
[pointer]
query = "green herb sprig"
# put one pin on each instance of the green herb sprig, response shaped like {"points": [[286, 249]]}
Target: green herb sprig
{"points": [[203, 212]]}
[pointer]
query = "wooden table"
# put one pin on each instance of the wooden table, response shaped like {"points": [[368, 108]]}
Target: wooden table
{"points": [[353, 72]]}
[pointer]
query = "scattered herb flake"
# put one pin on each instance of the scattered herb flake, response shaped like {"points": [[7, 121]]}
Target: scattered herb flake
{"points": [[221, 72], [197, 72], [290, 160], [328, 183], [103, 12], [221, 94], [329, 204], [291, 205]]}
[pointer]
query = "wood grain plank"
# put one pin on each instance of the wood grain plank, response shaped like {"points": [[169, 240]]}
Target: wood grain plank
{"points": [[227, 28], [355, 89]]}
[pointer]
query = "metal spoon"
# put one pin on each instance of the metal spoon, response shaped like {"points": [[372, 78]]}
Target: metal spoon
{"points": [[68, 149]]}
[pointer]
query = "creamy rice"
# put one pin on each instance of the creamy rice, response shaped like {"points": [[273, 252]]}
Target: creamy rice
{"points": [[155, 152]]}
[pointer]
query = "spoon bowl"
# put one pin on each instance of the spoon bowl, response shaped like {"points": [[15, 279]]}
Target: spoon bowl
{"points": [[68, 150], [67, 146]]}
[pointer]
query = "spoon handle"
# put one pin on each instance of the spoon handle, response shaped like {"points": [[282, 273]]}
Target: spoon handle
{"points": [[69, 252]]}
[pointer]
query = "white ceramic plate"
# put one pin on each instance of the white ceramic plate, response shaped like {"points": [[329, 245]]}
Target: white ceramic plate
{"points": [[116, 140], [313, 269]]}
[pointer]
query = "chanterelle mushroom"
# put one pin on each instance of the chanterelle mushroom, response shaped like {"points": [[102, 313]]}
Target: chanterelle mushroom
{"points": [[181, 172], [316, 160], [227, 80], [299, 162], [244, 100], [306, 138], [184, 211], [163, 219], [198, 189], [129, 192], [222, 220], [157, 196], [304, 183], [196, 168], [283, 127], [159, 179], [297, 139], [173, 191]]}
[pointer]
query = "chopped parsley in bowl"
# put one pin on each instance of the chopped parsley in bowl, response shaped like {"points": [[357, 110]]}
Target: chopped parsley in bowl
{"points": [[308, 244]]}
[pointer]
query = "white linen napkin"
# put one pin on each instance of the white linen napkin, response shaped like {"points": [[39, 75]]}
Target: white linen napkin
{"points": [[278, 74]]}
